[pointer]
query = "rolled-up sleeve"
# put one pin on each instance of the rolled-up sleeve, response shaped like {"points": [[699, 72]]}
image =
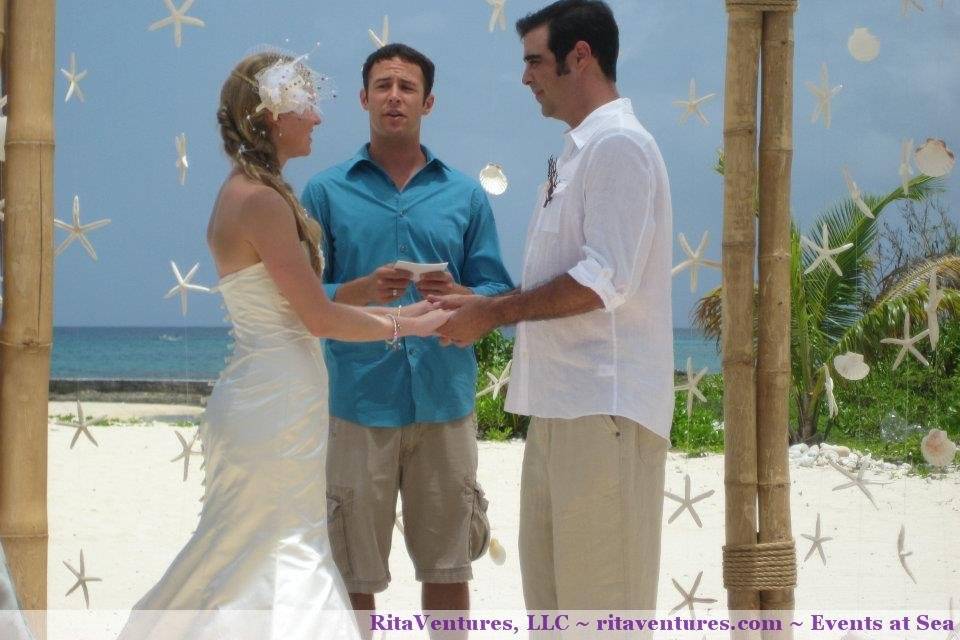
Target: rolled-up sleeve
{"points": [[315, 202], [619, 220], [483, 269]]}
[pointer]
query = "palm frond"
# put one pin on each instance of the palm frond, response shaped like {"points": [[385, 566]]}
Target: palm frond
{"points": [[947, 267]]}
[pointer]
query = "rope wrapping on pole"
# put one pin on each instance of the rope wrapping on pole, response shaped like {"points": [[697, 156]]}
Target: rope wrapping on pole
{"points": [[762, 5], [766, 566]]}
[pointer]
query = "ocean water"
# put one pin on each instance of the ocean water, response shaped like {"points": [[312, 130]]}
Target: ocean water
{"points": [[198, 353]]}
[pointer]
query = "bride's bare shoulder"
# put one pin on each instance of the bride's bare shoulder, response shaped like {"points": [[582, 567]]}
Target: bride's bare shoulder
{"points": [[250, 201]]}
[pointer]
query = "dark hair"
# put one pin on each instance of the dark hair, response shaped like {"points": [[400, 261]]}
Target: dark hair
{"points": [[568, 22], [405, 53]]}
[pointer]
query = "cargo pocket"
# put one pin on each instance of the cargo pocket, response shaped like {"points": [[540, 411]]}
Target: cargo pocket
{"points": [[479, 524], [338, 506]]}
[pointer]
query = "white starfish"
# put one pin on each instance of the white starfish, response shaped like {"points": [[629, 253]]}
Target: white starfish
{"points": [[184, 285], [907, 343], [690, 597], [824, 252], [177, 18], [380, 41], [824, 94], [906, 4], [186, 452], [82, 579], [694, 260], [74, 78], [856, 195], [857, 481], [687, 502], [497, 382], [81, 427], [817, 539], [78, 231], [497, 16], [180, 142], [934, 298], [903, 554], [832, 407], [690, 386], [691, 106], [906, 170]]}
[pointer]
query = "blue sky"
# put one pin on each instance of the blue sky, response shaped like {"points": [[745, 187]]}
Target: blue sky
{"points": [[116, 150]]}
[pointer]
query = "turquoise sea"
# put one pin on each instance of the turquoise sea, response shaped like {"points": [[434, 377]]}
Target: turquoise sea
{"points": [[197, 353]]}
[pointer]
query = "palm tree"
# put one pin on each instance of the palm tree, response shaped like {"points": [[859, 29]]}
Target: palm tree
{"points": [[833, 313]]}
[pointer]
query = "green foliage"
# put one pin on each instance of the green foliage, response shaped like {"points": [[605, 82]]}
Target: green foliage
{"points": [[494, 351], [702, 432]]}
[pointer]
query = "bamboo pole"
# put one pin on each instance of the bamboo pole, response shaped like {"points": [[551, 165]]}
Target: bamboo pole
{"points": [[773, 353], [739, 238], [26, 333]]}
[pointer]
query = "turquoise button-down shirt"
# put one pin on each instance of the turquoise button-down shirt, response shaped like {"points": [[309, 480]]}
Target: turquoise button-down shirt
{"points": [[440, 216]]}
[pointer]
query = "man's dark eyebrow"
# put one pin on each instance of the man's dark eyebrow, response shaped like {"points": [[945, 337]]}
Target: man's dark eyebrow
{"points": [[533, 57]]}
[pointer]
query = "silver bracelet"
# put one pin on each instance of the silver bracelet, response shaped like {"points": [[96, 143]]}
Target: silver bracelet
{"points": [[394, 343]]}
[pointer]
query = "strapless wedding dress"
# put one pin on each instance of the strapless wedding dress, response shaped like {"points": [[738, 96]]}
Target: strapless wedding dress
{"points": [[259, 564]]}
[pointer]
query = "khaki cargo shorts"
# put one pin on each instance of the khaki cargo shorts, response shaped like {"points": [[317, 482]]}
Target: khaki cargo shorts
{"points": [[433, 466]]}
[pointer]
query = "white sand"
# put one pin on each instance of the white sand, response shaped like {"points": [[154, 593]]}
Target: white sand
{"points": [[125, 505]]}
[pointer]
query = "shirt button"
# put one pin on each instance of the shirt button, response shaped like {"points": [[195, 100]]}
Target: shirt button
{"points": [[402, 213], [403, 247], [412, 352]]}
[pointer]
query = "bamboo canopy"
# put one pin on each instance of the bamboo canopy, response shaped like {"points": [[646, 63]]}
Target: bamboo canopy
{"points": [[759, 557], [26, 331]]}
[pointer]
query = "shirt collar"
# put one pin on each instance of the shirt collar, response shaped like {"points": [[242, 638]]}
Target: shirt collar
{"points": [[363, 155], [596, 121]]}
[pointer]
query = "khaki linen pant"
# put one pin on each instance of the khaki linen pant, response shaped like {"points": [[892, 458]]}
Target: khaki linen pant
{"points": [[591, 504]]}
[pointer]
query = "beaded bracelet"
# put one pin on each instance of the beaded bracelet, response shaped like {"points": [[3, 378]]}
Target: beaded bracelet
{"points": [[394, 343]]}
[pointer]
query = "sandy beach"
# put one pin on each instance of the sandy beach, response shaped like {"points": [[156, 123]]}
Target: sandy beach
{"points": [[125, 504]]}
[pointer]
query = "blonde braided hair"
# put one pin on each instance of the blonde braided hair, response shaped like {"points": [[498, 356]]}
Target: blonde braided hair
{"points": [[247, 143]]}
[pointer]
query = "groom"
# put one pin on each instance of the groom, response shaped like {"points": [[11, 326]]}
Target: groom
{"points": [[402, 420]]}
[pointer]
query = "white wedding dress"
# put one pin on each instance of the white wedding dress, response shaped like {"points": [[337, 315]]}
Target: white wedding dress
{"points": [[259, 564]]}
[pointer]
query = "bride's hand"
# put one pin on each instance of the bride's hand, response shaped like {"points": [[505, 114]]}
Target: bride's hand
{"points": [[418, 309], [424, 325]]}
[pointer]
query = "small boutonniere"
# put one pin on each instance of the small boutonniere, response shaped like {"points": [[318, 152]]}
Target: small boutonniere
{"points": [[551, 179]]}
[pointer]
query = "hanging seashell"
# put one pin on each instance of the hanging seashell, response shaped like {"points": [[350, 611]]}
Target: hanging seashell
{"points": [[937, 449], [493, 180], [934, 159], [497, 553], [851, 366], [863, 45]]}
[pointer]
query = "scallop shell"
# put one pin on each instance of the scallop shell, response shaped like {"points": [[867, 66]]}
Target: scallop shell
{"points": [[863, 45], [851, 366], [493, 180], [497, 553], [937, 449], [934, 159]]}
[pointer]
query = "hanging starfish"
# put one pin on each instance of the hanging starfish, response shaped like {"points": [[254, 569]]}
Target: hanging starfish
{"points": [[856, 195], [934, 298], [74, 78], [81, 427], [687, 502], [817, 541], [691, 385], [497, 17], [694, 260], [691, 106], [857, 481], [380, 41], [824, 94], [180, 142], [78, 231], [186, 452], [690, 597], [832, 407], [905, 170], [177, 18], [903, 554], [497, 382], [824, 252], [184, 285], [907, 343], [906, 4], [82, 579]]}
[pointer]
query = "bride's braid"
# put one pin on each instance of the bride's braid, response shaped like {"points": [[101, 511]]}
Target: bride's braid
{"points": [[246, 142]]}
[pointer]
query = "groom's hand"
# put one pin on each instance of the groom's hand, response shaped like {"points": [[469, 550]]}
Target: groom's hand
{"points": [[472, 319], [387, 284], [439, 283]]}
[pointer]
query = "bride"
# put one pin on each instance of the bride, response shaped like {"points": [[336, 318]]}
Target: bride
{"points": [[259, 564]]}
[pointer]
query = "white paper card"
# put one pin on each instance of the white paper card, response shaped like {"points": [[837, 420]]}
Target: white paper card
{"points": [[418, 269]]}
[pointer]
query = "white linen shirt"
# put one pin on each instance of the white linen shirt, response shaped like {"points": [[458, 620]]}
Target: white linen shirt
{"points": [[608, 225]]}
